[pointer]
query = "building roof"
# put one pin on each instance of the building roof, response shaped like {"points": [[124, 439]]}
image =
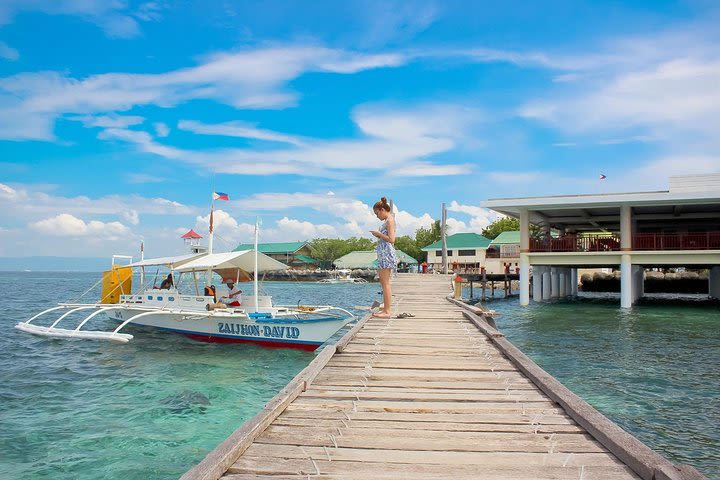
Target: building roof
{"points": [[368, 259], [276, 248], [192, 234], [461, 240], [305, 259], [690, 198], [510, 237]]}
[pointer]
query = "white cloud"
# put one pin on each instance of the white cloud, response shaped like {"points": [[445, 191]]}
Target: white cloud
{"points": [[246, 79], [66, 225], [237, 129], [114, 17], [144, 178], [131, 216], [161, 130], [661, 87], [480, 217], [31, 203], [108, 121], [7, 52], [396, 139]]}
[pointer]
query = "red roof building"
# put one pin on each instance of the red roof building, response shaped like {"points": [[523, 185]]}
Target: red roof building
{"points": [[191, 234]]}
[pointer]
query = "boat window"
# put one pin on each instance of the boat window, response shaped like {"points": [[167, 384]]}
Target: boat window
{"points": [[159, 298], [149, 297], [171, 299]]}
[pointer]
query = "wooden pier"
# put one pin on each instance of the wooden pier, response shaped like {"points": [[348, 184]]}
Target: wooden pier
{"points": [[438, 395]]}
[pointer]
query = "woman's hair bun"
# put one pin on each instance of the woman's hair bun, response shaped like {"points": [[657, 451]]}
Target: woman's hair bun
{"points": [[382, 204]]}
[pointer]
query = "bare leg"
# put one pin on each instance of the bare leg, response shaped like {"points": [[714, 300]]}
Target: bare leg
{"points": [[384, 274]]}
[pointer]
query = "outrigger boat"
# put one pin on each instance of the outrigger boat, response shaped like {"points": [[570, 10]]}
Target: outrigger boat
{"points": [[198, 316]]}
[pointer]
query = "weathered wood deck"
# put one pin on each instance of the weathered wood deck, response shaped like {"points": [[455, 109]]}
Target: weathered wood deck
{"points": [[429, 396]]}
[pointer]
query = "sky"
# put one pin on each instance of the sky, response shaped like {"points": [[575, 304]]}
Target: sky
{"points": [[118, 118]]}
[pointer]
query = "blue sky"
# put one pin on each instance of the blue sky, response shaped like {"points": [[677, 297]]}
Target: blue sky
{"points": [[118, 118]]}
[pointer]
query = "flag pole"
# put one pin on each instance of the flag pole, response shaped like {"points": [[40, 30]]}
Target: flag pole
{"points": [[208, 276]]}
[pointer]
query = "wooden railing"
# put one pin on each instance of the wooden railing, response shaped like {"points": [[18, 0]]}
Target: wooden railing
{"points": [[677, 241], [576, 243], [640, 241]]}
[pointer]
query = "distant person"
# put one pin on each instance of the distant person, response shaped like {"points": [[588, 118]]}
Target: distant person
{"points": [[167, 284], [387, 260], [210, 292], [233, 297]]}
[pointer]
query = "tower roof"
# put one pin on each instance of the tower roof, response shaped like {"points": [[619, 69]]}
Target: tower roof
{"points": [[192, 234]]}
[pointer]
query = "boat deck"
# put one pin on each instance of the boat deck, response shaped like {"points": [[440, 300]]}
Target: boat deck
{"points": [[429, 396]]}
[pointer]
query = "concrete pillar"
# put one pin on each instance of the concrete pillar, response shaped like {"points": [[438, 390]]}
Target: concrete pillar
{"points": [[625, 228], [568, 282], [546, 283], [524, 279], [562, 284], [714, 281], [573, 282], [638, 282], [626, 282], [537, 283], [554, 283], [524, 259]]}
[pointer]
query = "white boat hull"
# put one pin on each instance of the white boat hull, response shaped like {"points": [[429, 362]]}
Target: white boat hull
{"points": [[227, 327]]}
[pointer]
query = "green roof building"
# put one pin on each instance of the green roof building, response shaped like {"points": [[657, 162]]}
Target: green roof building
{"points": [[506, 245], [293, 254], [465, 251], [368, 259]]}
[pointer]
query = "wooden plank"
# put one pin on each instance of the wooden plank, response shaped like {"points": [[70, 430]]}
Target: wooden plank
{"points": [[433, 457], [292, 467], [423, 397], [385, 423], [467, 418]]}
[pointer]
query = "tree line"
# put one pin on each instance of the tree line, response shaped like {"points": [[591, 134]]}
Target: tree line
{"points": [[327, 250]]}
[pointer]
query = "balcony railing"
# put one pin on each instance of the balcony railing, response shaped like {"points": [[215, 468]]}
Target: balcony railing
{"points": [[640, 241], [576, 243], [677, 241], [496, 254]]}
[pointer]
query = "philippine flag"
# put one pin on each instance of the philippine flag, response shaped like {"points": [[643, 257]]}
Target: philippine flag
{"points": [[220, 196], [602, 176]]}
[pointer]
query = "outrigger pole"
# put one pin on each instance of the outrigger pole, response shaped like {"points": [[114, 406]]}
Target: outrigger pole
{"points": [[255, 273]]}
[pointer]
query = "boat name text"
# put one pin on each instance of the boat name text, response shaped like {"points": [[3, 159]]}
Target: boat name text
{"points": [[258, 331]]}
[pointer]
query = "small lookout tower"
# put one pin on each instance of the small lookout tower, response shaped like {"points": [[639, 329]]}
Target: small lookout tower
{"points": [[192, 240]]}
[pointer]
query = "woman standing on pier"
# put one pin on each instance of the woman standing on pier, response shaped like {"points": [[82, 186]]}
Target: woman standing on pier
{"points": [[387, 261]]}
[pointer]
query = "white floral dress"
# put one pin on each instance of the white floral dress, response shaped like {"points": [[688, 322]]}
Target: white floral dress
{"points": [[385, 251]]}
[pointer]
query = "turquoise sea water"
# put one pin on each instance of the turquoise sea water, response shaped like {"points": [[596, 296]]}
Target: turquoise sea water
{"points": [[152, 408], [148, 409], [654, 370]]}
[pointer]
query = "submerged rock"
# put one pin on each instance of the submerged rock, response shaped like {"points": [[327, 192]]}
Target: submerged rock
{"points": [[186, 401]]}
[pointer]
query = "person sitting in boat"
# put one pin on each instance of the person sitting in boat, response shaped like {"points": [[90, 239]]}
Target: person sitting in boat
{"points": [[210, 292], [233, 297], [167, 283]]}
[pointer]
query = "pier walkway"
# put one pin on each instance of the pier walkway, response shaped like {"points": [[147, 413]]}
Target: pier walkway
{"points": [[429, 396]]}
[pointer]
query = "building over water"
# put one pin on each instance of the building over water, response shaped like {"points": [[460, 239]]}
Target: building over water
{"points": [[678, 227]]}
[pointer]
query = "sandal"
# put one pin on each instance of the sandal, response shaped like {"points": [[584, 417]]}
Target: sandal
{"points": [[405, 315]]}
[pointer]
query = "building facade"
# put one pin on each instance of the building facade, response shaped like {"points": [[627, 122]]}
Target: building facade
{"points": [[465, 252], [679, 227]]}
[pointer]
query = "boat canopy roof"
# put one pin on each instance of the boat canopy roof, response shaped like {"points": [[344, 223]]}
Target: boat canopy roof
{"points": [[170, 262], [243, 259]]}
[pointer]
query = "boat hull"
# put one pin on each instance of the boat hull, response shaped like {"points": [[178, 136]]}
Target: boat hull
{"points": [[279, 332]]}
